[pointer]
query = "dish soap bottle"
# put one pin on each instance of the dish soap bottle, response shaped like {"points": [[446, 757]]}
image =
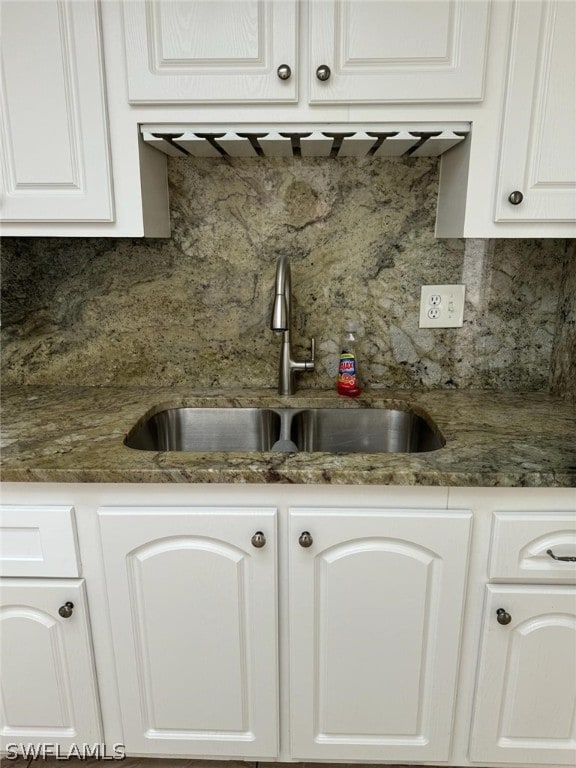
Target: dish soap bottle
{"points": [[348, 378]]}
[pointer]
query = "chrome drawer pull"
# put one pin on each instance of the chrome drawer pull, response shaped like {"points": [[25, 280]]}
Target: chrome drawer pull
{"points": [[564, 559]]}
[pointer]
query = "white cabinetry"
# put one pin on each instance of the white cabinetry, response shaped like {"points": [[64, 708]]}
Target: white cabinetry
{"points": [[379, 642], [182, 51], [48, 687], [58, 140], [517, 176], [197, 52], [193, 606], [526, 697], [395, 51], [54, 138], [538, 151], [376, 600], [372, 667]]}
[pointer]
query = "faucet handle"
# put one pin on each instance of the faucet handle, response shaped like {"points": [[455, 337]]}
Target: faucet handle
{"points": [[310, 363]]}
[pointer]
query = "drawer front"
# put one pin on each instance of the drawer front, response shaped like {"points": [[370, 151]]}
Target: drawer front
{"points": [[38, 541], [526, 546]]}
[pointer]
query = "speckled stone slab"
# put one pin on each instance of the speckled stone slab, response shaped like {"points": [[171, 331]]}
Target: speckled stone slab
{"points": [[194, 309], [564, 353], [76, 434]]}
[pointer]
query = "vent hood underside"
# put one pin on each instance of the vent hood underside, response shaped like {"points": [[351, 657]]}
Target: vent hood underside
{"points": [[382, 140]]}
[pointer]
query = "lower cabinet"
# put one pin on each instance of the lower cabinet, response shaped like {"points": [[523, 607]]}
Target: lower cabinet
{"points": [[376, 602], [374, 629], [193, 604], [48, 685], [286, 630], [525, 704]]}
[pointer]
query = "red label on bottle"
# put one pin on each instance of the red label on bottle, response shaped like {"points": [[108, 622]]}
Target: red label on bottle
{"points": [[347, 376]]}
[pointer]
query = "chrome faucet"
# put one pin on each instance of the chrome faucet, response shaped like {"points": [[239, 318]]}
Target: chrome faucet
{"points": [[281, 317]]}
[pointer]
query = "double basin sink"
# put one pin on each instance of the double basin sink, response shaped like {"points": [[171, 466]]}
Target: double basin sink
{"points": [[334, 430]]}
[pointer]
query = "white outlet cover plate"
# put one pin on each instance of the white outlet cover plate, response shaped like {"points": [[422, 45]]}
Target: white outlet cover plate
{"points": [[442, 306]]}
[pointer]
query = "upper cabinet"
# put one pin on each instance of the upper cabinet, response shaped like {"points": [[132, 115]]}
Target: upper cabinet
{"points": [[537, 177], [73, 98], [54, 152], [394, 51], [206, 51], [517, 177], [193, 51], [63, 129]]}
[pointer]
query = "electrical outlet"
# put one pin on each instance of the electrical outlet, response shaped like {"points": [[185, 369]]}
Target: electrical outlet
{"points": [[442, 306]]}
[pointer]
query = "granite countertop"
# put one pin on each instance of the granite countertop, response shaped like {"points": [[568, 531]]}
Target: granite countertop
{"points": [[76, 434]]}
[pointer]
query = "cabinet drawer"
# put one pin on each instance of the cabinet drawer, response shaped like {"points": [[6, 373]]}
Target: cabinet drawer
{"points": [[525, 545], [38, 541]]}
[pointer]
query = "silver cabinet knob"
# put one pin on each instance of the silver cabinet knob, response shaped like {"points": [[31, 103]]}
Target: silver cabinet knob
{"points": [[258, 540], [323, 72], [515, 197], [284, 72], [66, 610], [503, 617], [305, 539]]}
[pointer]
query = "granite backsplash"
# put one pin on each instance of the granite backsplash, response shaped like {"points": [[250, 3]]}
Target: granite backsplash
{"points": [[194, 309]]}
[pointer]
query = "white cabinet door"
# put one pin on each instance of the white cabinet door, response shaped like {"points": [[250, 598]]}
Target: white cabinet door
{"points": [[54, 144], [189, 51], [48, 688], [538, 154], [193, 609], [526, 690], [398, 51], [375, 603]]}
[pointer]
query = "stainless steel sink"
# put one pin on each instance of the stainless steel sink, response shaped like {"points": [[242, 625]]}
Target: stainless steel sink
{"points": [[363, 430], [333, 430], [206, 430]]}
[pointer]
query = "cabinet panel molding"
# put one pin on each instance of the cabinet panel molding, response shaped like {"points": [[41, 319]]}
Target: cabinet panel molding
{"points": [[537, 149], [195, 52], [48, 683], [340, 587], [193, 608], [158, 600], [521, 542], [175, 42], [525, 698], [398, 52], [55, 162], [38, 540], [389, 584]]}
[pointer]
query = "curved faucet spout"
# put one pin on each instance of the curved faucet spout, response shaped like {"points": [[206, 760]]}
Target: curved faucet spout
{"points": [[280, 322], [281, 308]]}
